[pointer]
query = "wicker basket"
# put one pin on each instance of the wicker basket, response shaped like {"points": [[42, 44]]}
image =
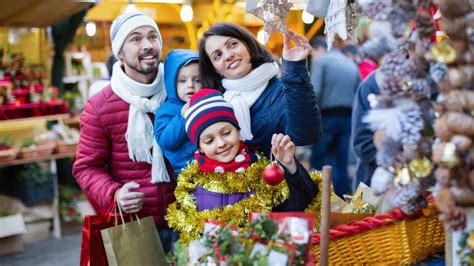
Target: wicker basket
{"points": [[8, 155], [63, 147], [392, 238], [41, 150]]}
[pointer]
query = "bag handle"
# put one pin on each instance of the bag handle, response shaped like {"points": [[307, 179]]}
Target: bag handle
{"points": [[121, 216]]}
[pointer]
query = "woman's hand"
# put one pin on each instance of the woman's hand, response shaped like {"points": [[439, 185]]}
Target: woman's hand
{"points": [[301, 50], [129, 201], [284, 151]]}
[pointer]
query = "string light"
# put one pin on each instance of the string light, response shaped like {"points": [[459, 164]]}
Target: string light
{"points": [[186, 13], [307, 17], [261, 36], [91, 29]]}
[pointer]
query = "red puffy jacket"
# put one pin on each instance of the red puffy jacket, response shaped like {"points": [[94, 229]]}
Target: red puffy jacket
{"points": [[102, 163]]}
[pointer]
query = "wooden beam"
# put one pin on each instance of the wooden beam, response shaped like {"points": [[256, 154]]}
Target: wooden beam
{"points": [[314, 28]]}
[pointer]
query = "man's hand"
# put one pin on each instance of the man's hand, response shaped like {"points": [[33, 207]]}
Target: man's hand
{"points": [[129, 201], [284, 151]]}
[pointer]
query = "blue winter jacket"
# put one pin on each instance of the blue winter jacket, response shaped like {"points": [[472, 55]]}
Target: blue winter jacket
{"points": [[288, 106], [362, 135], [169, 123]]}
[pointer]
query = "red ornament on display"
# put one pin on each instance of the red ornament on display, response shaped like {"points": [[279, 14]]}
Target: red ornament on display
{"points": [[273, 174]]}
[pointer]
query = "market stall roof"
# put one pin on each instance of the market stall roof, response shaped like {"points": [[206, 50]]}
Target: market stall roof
{"points": [[34, 13]]}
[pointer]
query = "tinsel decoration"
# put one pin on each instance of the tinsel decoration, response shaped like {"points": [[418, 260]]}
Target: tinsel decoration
{"points": [[183, 216], [273, 13]]}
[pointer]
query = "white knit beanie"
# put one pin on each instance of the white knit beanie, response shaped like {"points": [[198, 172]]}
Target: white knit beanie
{"points": [[126, 23]]}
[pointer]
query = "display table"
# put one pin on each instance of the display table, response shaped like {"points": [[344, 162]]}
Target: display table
{"points": [[25, 110], [18, 129], [54, 171]]}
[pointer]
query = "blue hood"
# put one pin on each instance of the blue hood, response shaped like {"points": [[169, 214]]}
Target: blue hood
{"points": [[174, 61]]}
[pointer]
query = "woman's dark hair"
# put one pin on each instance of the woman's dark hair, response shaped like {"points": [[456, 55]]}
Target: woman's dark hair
{"points": [[259, 54]]}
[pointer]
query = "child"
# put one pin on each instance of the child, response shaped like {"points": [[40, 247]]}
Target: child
{"points": [[225, 183], [181, 82]]}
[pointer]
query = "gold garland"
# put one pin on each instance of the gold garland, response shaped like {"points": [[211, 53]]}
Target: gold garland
{"points": [[190, 222]]}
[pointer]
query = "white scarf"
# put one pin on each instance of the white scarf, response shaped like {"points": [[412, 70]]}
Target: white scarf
{"points": [[244, 92], [139, 133]]}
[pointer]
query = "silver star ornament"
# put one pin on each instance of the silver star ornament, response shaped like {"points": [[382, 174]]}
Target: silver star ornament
{"points": [[273, 13]]}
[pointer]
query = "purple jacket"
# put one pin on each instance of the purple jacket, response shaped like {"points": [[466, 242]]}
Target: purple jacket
{"points": [[302, 191]]}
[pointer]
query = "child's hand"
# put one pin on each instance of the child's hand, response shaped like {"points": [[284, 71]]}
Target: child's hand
{"points": [[284, 151], [300, 51], [184, 108]]}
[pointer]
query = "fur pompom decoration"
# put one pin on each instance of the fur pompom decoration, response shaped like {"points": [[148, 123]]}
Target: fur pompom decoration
{"points": [[402, 123], [382, 179], [387, 152]]}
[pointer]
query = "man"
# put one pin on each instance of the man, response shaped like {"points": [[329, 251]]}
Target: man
{"points": [[335, 79], [362, 135], [117, 157]]}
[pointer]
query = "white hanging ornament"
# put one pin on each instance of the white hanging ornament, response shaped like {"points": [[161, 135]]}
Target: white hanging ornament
{"points": [[336, 21], [272, 12]]}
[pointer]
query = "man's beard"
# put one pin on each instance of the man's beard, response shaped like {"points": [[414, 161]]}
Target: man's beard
{"points": [[147, 69]]}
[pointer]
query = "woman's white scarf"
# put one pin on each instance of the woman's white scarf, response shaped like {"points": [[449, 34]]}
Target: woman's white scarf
{"points": [[139, 133], [244, 92]]}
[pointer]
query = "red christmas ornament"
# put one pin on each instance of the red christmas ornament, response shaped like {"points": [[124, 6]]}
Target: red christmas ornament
{"points": [[273, 174]]}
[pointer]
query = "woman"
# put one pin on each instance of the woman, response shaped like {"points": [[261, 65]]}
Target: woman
{"points": [[232, 60]]}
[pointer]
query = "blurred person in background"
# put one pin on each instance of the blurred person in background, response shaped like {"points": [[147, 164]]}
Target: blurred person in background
{"points": [[335, 79]]}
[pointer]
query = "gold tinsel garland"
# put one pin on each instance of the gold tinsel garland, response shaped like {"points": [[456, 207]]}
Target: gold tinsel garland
{"points": [[190, 222]]}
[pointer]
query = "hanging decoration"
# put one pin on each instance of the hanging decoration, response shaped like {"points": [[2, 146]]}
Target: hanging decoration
{"points": [[402, 114], [336, 21], [454, 152], [272, 12]]}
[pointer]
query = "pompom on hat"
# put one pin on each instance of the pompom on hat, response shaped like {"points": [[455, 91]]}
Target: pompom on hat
{"points": [[124, 24], [206, 108]]}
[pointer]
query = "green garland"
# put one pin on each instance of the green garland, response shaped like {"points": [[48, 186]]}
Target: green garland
{"points": [[190, 223]]}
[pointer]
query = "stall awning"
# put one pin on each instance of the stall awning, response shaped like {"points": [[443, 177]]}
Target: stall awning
{"points": [[37, 13]]}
